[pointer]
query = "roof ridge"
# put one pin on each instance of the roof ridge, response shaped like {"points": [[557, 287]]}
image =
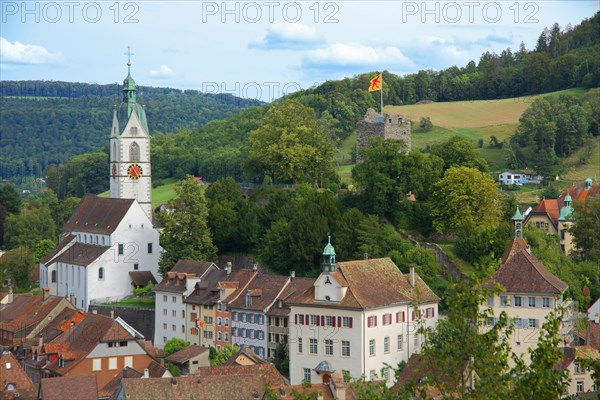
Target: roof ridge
{"points": [[540, 268]]}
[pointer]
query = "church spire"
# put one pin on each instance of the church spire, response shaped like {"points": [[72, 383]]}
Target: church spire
{"points": [[129, 84], [518, 219], [329, 257]]}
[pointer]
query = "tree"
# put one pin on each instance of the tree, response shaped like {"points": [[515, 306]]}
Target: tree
{"points": [[218, 357], [30, 226], [9, 198], [465, 200], [459, 152], [173, 345], [17, 265], [425, 124], [586, 229], [281, 360], [291, 146], [185, 231], [144, 291]]}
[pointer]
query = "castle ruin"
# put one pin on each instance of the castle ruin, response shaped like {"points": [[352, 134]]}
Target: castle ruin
{"points": [[389, 126]]}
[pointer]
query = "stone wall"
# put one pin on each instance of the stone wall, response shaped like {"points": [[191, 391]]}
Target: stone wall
{"points": [[390, 126]]}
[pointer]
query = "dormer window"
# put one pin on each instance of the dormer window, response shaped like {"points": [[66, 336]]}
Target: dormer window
{"points": [[10, 387], [248, 299]]}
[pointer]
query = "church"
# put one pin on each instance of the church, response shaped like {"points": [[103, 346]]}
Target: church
{"points": [[110, 244]]}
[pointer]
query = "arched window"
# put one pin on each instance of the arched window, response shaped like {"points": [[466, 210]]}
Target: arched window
{"points": [[134, 152], [114, 152], [54, 276], [101, 273], [10, 387]]}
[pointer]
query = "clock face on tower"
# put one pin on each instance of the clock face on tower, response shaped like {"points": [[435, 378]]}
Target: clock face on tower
{"points": [[134, 171]]}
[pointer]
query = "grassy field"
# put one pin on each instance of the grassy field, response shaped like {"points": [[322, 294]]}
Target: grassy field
{"points": [[141, 302]]}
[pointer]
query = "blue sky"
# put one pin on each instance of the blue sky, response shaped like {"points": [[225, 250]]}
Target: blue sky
{"points": [[261, 49]]}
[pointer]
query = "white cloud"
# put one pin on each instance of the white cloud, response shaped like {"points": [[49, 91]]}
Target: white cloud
{"points": [[162, 72], [19, 53], [288, 36], [352, 56]]}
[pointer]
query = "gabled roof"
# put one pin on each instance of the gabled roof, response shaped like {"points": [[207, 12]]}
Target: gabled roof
{"points": [[515, 246], [98, 214], [246, 352], [263, 290], [175, 280], [12, 373], [592, 335], [81, 254], [141, 278], [110, 389], [49, 259], [80, 387], [550, 208], [61, 323], [373, 283], [239, 279], [206, 291], [523, 273], [296, 285], [573, 353], [29, 311], [186, 354]]}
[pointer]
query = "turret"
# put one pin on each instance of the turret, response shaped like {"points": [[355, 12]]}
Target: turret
{"points": [[329, 257], [518, 220]]}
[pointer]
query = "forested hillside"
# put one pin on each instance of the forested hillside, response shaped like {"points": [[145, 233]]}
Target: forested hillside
{"points": [[49, 122]]}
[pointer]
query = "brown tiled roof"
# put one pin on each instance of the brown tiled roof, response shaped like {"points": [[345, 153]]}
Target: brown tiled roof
{"points": [[80, 387], [116, 332], [248, 353], [578, 193], [141, 278], [15, 376], [49, 259], [573, 353], [175, 280], [243, 278], [61, 323], [187, 353], [207, 291], [30, 311], [296, 285], [264, 289], [154, 352], [373, 283], [308, 391], [112, 387], [592, 335], [81, 254], [98, 214], [515, 246], [156, 370], [523, 273]]}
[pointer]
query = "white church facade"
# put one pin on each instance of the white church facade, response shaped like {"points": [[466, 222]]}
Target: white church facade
{"points": [[110, 242]]}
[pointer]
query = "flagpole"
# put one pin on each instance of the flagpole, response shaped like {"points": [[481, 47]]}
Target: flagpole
{"points": [[381, 94]]}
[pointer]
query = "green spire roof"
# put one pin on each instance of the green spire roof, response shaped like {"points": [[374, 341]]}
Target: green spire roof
{"points": [[329, 250], [518, 216], [129, 103], [565, 213], [568, 199]]}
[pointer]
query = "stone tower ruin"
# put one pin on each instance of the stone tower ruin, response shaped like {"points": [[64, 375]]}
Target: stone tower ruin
{"points": [[389, 126]]}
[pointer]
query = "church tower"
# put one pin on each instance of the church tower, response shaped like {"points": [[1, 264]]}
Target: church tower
{"points": [[130, 172]]}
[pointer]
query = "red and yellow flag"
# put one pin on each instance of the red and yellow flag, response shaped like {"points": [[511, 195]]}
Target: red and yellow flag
{"points": [[375, 84]]}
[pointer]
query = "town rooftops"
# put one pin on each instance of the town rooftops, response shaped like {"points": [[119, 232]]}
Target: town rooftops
{"points": [[186, 354], [175, 281], [80, 387], [572, 353], [98, 215], [523, 273], [261, 292], [49, 259], [296, 285], [372, 283], [14, 382], [206, 291], [28, 311]]}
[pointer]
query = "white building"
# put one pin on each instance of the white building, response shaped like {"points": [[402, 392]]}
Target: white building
{"points": [[170, 319], [358, 317], [519, 178], [105, 240]]}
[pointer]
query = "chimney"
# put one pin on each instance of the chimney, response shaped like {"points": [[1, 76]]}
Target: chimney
{"points": [[146, 373], [596, 318], [10, 296], [95, 311], [46, 293], [229, 267], [254, 267], [292, 274], [112, 314], [72, 298], [412, 276]]}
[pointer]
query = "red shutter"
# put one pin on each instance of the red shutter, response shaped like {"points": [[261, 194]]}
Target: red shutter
{"points": [[339, 321], [350, 323], [318, 320], [322, 320], [306, 320], [397, 317], [376, 320], [412, 315], [432, 312], [403, 317], [296, 319], [333, 321], [369, 322]]}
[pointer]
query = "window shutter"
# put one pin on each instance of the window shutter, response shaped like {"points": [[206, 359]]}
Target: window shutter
{"points": [[397, 317], [369, 320], [296, 319], [432, 312], [339, 321], [333, 321], [306, 320], [403, 316], [322, 320], [375, 320], [350, 323], [413, 315], [318, 318]]}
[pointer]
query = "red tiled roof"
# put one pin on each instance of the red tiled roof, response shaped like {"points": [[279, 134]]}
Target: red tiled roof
{"points": [[80, 387], [523, 273], [243, 278], [592, 335], [263, 290], [186, 354], [548, 207], [111, 388], [515, 246], [14, 375], [98, 214], [373, 283], [29, 311]]}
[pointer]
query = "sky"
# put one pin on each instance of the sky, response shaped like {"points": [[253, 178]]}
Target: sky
{"points": [[261, 49]]}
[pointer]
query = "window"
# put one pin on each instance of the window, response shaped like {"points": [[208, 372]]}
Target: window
{"points": [[328, 347], [400, 341], [532, 302], [400, 317], [430, 312], [101, 273], [136, 267], [149, 248], [174, 299], [307, 375], [372, 375], [182, 328], [518, 301], [128, 361], [386, 374], [387, 319], [546, 302], [371, 347], [164, 311], [121, 249], [346, 322], [165, 298], [54, 276], [503, 301], [579, 386], [519, 323], [173, 327], [183, 314], [97, 364], [219, 336], [226, 321], [372, 321], [226, 337], [112, 363], [165, 326], [11, 387], [219, 321], [313, 346], [194, 331], [532, 323], [578, 369], [345, 348], [134, 149], [386, 344], [313, 319], [173, 313], [329, 320], [300, 345], [416, 340]]}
